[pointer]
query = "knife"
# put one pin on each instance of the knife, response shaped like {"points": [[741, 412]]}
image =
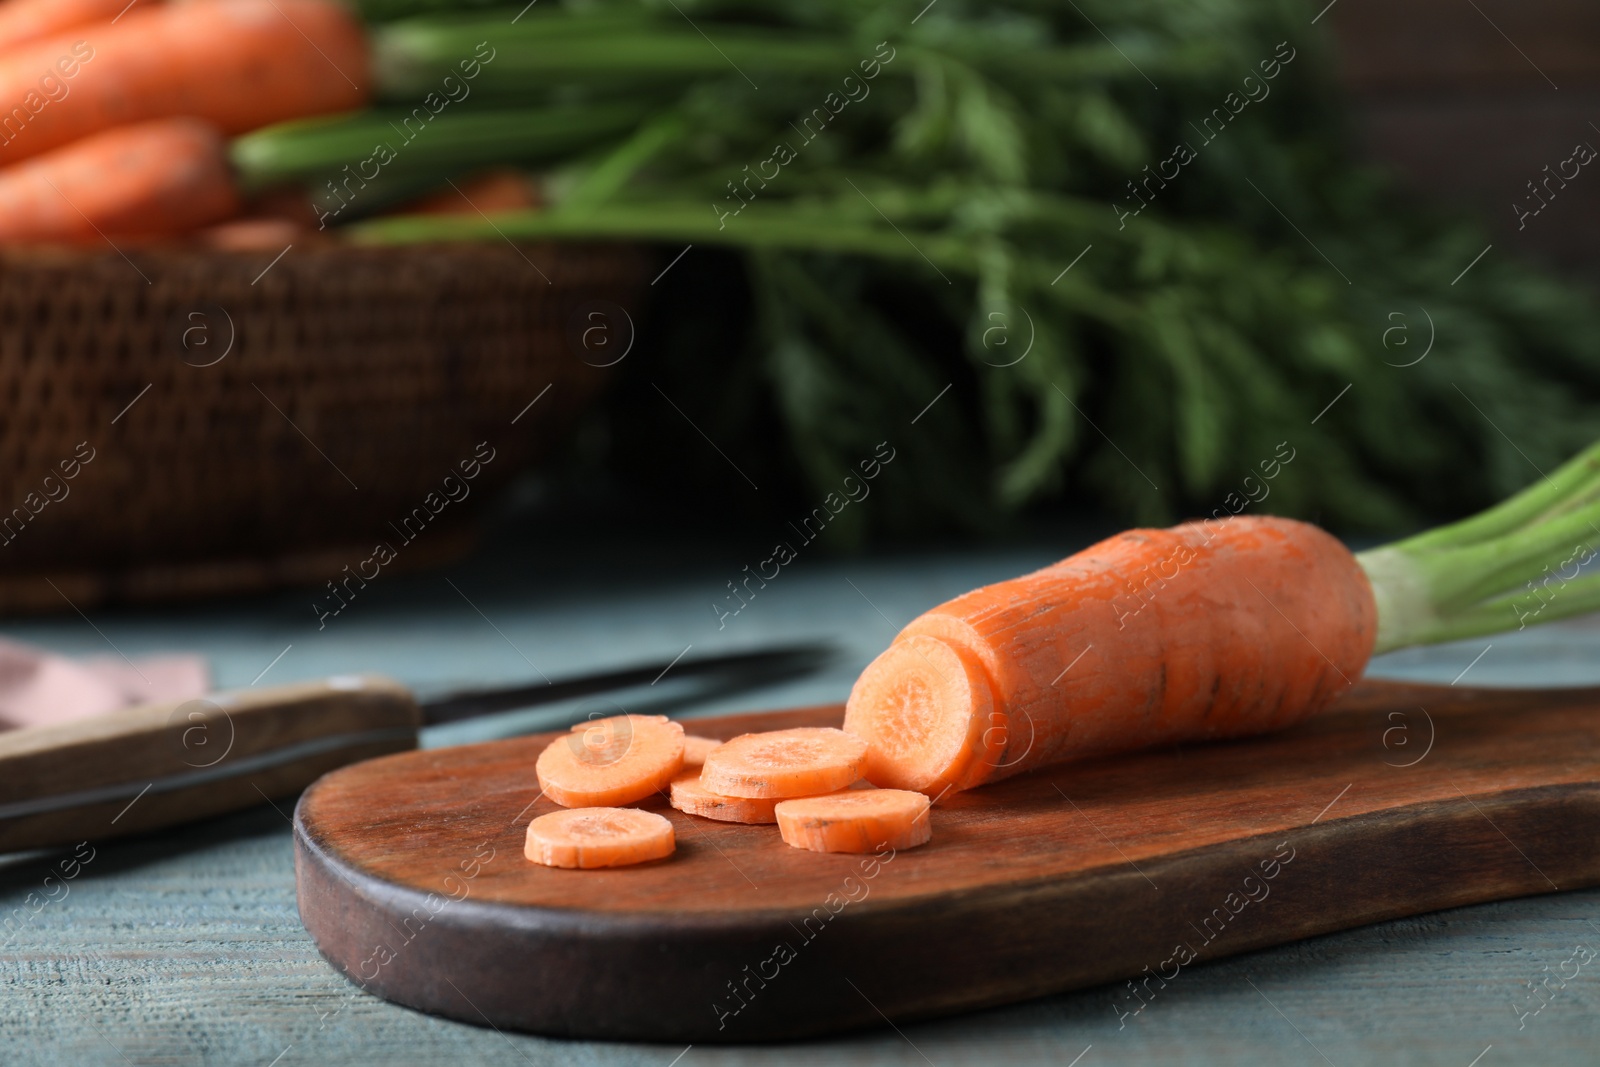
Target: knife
{"points": [[160, 765]]}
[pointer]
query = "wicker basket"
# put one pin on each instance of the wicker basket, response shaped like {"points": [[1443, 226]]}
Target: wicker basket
{"points": [[251, 423]]}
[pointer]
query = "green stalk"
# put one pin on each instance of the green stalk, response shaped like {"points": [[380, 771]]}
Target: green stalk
{"points": [[667, 222], [607, 177], [1573, 483], [820, 226], [413, 58], [1579, 596], [449, 142], [1506, 565], [609, 51]]}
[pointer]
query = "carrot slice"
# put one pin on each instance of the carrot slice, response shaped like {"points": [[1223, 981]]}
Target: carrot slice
{"points": [[857, 820], [928, 715], [598, 837], [611, 761], [785, 763], [695, 749], [690, 795]]}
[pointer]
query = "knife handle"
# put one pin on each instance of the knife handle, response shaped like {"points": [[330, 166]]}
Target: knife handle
{"points": [[159, 765]]}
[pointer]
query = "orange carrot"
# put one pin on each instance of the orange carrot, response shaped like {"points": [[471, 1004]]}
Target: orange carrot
{"points": [[238, 64], [1207, 630], [611, 761], [695, 749], [907, 748], [502, 189], [856, 821], [785, 763], [22, 21], [154, 178], [255, 235], [598, 837], [690, 796]]}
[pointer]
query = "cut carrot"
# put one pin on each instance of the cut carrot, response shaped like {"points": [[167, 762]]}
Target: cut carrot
{"points": [[1208, 630], [695, 749], [22, 21], [907, 748], [153, 178], [689, 795], [611, 761], [856, 821], [785, 763], [238, 64], [598, 837]]}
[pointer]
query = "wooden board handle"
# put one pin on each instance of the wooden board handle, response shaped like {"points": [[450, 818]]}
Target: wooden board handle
{"points": [[162, 764]]}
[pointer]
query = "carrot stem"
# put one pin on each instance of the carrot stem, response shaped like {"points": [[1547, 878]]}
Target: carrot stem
{"points": [[610, 51], [417, 141], [607, 177], [844, 226], [1519, 563], [1575, 482]]}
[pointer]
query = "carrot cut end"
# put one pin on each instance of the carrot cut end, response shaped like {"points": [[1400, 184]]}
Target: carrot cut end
{"points": [[927, 712]]}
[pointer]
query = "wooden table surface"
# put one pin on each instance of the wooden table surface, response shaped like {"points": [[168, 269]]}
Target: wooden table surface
{"points": [[185, 947]]}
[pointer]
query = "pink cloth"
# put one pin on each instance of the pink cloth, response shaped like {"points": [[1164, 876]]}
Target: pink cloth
{"points": [[39, 687]]}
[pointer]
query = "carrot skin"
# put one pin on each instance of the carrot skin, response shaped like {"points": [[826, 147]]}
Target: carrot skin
{"points": [[150, 179], [24, 21], [1203, 631], [238, 64]]}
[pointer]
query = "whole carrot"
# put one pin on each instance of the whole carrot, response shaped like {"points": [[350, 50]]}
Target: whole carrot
{"points": [[238, 64], [1212, 629], [22, 21], [148, 179], [1153, 636]]}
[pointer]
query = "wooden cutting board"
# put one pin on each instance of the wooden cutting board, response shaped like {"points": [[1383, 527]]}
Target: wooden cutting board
{"points": [[1403, 799]]}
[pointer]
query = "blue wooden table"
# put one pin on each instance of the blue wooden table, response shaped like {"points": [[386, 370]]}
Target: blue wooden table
{"points": [[185, 947]]}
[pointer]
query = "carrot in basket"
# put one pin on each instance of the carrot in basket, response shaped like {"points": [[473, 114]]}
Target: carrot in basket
{"points": [[150, 179], [239, 64], [1255, 624], [690, 796], [22, 21], [254, 235], [611, 761], [500, 189], [861, 820], [784, 763], [598, 837]]}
